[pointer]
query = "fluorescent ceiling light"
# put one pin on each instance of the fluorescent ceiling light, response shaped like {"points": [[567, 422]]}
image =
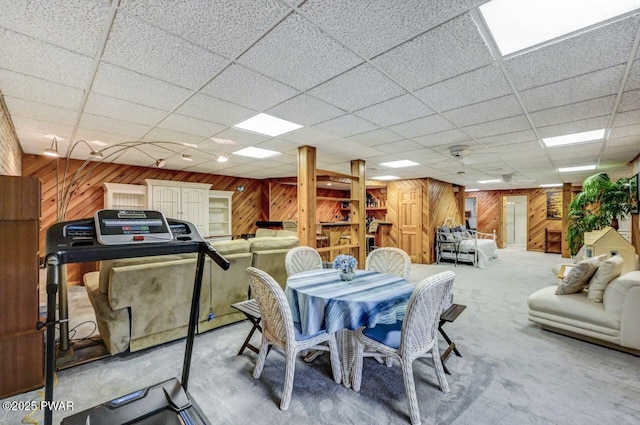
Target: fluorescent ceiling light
{"points": [[551, 185], [385, 178], [268, 125], [489, 181], [471, 190], [570, 139], [190, 145], [579, 168], [256, 152], [99, 143], [399, 164], [223, 141], [518, 24]]}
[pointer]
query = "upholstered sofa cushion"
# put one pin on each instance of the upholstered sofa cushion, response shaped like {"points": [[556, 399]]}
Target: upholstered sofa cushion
{"points": [[236, 246], [106, 266], [607, 271], [616, 293], [268, 243], [262, 233], [579, 275]]}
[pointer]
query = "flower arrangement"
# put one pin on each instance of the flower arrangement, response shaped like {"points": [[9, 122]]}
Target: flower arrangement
{"points": [[345, 263]]}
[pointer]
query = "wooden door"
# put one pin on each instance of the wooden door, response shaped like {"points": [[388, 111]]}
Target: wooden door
{"points": [[410, 222], [502, 237]]}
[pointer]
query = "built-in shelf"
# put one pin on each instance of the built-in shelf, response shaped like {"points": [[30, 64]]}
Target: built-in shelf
{"points": [[220, 213]]}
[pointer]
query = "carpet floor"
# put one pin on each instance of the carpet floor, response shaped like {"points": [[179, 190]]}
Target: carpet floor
{"points": [[510, 372]]}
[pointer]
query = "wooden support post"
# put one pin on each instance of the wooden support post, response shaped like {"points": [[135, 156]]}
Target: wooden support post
{"points": [[307, 195], [358, 211], [566, 200], [461, 205]]}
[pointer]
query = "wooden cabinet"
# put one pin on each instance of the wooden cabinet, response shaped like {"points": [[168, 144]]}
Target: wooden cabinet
{"points": [[118, 196], [21, 345], [220, 226], [181, 200]]}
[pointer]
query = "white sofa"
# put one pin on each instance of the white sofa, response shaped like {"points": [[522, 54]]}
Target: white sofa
{"points": [[615, 322]]}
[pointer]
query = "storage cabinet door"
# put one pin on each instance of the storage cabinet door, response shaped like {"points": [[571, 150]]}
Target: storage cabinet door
{"points": [[195, 208], [166, 199]]}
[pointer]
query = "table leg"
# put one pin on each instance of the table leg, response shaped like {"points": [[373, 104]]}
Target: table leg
{"points": [[347, 351]]}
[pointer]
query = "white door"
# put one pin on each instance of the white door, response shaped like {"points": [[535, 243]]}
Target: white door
{"points": [[166, 199], [516, 220], [195, 208]]}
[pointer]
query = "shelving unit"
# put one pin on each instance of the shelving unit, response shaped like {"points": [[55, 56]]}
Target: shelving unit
{"points": [[220, 216], [119, 196]]}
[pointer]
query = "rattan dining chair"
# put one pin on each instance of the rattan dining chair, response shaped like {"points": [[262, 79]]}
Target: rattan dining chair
{"points": [[302, 258], [279, 330], [414, 337], [389, 260]]}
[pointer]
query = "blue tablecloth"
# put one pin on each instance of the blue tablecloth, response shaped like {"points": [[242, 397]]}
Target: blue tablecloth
{"points": [[320, 300]]}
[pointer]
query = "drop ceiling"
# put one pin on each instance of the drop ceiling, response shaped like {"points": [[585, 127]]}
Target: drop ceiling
{"points": [[375, 80]]}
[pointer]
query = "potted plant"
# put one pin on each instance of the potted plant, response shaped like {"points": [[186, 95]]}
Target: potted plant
{"points": [[600, 203]]}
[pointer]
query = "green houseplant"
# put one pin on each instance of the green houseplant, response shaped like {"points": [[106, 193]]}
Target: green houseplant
{"points": [[600, 203]]}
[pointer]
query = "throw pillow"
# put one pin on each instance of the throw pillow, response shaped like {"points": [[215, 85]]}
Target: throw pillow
{"points": [[579, 276], [607, 271]]}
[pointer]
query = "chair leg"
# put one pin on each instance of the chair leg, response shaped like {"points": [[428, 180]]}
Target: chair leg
{"points": [[289, 372], [262, 355], [410, 390], [336, 367], [439, 367], [356, 371]]}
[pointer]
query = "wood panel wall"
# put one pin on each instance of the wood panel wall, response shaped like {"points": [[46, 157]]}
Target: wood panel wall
{"points": [[89, 196], [489, 205]]}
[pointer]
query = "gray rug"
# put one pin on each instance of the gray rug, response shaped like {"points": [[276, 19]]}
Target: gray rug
{"points": [[511, 372]]}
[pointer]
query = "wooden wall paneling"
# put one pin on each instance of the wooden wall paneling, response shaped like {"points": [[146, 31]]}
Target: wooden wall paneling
{"points": [[392, 214], [358, 194], [567, 195], [444, 203], [89, 196]]}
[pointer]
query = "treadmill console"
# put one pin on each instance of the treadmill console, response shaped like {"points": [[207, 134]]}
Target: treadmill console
{"points": [[118, 227]]}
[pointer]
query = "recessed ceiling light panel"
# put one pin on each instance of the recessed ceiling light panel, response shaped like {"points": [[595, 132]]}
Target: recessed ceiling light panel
{"points": [[518, 24], [551, 185], [578, 168], [571, 139], [489, 181], [385, 178], [253, 152], [267, 125], [399, 164]]}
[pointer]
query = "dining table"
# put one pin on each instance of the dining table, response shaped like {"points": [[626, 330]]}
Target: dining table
{"points": [[321, 300]]}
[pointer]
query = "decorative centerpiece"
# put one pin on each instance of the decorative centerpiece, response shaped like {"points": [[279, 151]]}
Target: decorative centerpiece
{"points": [[346, 265]]}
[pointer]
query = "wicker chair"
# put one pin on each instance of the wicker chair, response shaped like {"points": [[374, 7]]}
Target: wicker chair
{"points": [[302, 258], [278, 330], [389, 260], [415, 336]]}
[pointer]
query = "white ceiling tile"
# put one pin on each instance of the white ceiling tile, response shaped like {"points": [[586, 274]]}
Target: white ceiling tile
{"points": [[450, 49], [358, 24], [358, 88], [574, 112], [32, 134], [469, 88], [630, 100], [307, 136], [193, 126], [633, 80], [123, 84], [215, 110], [588, 86], [442, 138], [341, 148], [138, 46], [40, 112], [107, 137], [38, 59], [628, 130], [422, 126], [501, 126], [376, 137], [38, 90], [591, 149], [110, 125], [280, 145], [247, 88], [603, 47], [224, 26], [627, 118], [573, 127], [299, 53], [502, 107], [122, 110], [305, 110], [400, 147], [241, 137], [344, 126], [82, 20], [400, 109], [514, 150]]}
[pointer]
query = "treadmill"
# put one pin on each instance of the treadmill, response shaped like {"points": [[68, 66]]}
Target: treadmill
{"points": [[116, 234]]}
